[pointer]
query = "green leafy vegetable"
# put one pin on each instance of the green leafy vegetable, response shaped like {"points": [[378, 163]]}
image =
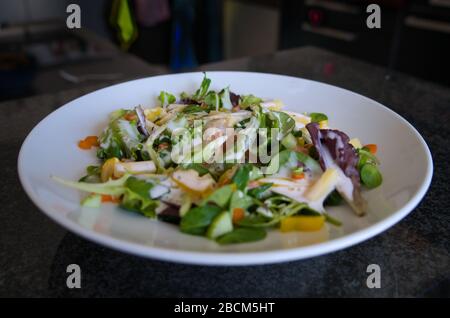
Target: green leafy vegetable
{"points": [[242, 235], [221, 196], [283, 122], [289, 141], [317, 117], [190, 109], [117, 114], [110, 145], [197, 220], [333, 199], [212, 100], [203, 90], [166, 98], [240, 200], [137, 197], [259, 191], [126, 136], [242, 176], [249, 100]]}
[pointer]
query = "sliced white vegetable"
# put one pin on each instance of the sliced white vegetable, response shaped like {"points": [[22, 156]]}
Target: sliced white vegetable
{"points": [[158, 190], [322, 187], [264, 211], [138, 167], [273, 104]]}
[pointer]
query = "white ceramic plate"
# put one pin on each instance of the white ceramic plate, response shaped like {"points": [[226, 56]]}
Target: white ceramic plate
{"points": [[51, 149]]}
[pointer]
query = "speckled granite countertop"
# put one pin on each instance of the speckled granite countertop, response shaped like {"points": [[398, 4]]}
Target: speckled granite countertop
{"points": [[414, 255]]}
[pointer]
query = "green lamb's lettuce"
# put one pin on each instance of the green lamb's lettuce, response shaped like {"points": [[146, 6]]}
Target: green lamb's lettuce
{"points": [[203, 90], [191, 109], [260, 191], [249, 100], [220, 197], [197, 220], [282, 121], [166, 98], [137, 197], [242, 235], [318, 117], [212, 100], [240, 200], [242, 176]]}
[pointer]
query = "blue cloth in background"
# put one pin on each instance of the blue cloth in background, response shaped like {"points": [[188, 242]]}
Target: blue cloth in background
{"points": [[196, 33], [182, 51]]}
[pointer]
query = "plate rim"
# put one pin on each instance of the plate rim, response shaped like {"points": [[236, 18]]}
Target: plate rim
{"points": [[233, 258]]}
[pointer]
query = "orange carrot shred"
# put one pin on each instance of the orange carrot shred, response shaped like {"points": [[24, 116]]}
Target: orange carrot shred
{"points": [[298, 176], [372, 148], [110, 198], [130, 116], [238, 214], [88, 142]]}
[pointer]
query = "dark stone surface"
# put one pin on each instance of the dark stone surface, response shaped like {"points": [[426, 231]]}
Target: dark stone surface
{"points": [[414, 255]]}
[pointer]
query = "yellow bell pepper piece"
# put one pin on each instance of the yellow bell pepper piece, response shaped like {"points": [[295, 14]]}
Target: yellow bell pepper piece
{"points": [[307, 223], [153, 113], [108, 169], [323, 124]]}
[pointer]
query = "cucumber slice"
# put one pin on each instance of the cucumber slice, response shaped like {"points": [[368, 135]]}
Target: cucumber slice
{"points": [[289, 141], [220, 225]]}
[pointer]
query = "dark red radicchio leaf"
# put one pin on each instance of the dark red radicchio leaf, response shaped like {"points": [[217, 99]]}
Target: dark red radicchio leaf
{"points": [[234, 98], [141, 123], [189, 101], [170, 214], [344, 155]]}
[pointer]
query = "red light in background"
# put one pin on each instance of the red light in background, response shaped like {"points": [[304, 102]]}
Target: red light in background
{"points": [[315, 17]]}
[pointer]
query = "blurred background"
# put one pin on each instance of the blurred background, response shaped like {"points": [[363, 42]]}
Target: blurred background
{"points": [[122, 39]]}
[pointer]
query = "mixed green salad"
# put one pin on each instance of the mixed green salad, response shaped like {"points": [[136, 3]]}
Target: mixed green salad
{"points": [[227, 166]]}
